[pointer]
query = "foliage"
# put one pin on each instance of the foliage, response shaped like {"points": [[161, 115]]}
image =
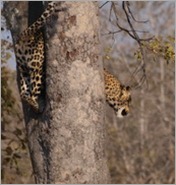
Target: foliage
{"points": [[162, 47], [134, 156], [14, 143], [141, 146], [7, 99]]}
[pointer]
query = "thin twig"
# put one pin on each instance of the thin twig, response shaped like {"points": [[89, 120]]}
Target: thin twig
{"points": [[142, 65], [103, 4], [134, 36], [128, 7], [110, 13], [112, 33]]}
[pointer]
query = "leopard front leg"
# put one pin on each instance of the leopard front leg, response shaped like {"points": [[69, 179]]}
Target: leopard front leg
{"points": [[37, 87], [26, 93]]}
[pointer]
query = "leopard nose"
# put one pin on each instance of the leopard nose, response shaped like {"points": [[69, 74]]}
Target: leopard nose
{"points": [[124, 112]]}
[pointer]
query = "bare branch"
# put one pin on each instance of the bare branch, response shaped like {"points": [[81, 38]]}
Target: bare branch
{"points": [[110, 13], [103, 4], [132, 16], [112, 32], [118, 25], [138, 39]]}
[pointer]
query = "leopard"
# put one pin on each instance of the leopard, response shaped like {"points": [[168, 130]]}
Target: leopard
{"points": [[29, 51], [118, 96]]}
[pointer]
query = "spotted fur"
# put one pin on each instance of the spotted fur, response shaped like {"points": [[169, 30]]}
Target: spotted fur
{"points": [[118, 96], [30, 58], [29, 51]]}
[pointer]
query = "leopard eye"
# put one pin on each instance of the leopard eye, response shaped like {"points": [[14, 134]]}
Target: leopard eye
{"points": [[128, 88]]}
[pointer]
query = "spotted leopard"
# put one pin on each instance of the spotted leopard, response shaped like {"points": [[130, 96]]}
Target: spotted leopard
{"points": [[118, 96], [29, 51], [30, 58]]}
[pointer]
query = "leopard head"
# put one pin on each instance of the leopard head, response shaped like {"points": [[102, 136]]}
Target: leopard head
{"points": [[121, 104], [122, 107]]}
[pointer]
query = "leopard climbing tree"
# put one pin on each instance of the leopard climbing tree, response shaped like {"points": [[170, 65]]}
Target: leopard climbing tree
{"points": [[67, 138], [30, 55]]}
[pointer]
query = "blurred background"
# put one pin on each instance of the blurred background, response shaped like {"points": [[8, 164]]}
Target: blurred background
{"points": [[141, 146]]}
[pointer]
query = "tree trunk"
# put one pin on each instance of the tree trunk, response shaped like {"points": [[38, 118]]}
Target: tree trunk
{"points": [[67, 141]]}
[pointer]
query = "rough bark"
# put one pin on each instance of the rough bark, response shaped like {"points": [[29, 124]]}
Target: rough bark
{"points": [[67, 141], [75, 97]]}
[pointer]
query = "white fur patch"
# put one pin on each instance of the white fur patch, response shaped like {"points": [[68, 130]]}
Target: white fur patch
{"points": [[119, 112]]}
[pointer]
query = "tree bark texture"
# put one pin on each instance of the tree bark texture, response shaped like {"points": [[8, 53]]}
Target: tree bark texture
{"points": [[67, 141]]}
